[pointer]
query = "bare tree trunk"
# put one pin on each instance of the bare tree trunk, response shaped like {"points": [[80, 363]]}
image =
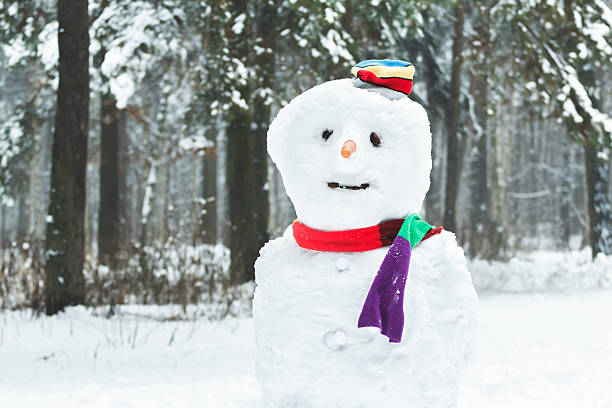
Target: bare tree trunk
{"points": [[147, 203], [246, 149], [2, 227], [247, 196], [156, 214], [209, 222], [30, 127], [130, 199], [565, 192], [23, 216], [65, 284], [264, 63], [109, 216], [454, 154], [36, 190], [224, 225], [479, 209], [498, 191], [600, 222], [243, 229]]}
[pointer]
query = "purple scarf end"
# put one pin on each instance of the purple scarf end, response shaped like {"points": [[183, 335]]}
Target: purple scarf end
{"points": [[384, 305], [393, 337]]}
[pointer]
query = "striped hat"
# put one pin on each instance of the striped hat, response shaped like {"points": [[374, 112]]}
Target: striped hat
{"points": [[392, 74]]}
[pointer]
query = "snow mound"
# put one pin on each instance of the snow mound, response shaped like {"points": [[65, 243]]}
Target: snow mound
{"points": [[543, 271]]}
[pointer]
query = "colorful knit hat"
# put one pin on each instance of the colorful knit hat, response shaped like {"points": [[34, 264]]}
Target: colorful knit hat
{"points": [[392, 74]]}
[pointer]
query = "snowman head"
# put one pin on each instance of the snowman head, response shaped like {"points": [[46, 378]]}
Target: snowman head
{"points": [[352, 154]]}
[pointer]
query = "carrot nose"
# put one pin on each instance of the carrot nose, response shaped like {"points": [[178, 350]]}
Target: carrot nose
{"points": [[348, 148]]}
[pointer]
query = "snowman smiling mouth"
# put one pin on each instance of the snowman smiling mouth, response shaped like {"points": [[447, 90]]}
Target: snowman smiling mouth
{"points": [[334, 185]]}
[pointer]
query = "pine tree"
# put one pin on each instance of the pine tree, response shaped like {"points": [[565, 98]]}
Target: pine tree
{"points": [[567, 57]]}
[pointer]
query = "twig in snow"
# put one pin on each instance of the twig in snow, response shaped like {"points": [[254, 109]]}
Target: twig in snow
{"points": [[95, 354], [135, 335], [120, 331], [46, 357], [172, 337]]}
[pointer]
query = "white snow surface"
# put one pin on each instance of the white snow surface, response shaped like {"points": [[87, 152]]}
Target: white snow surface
{"points": [[534, 351], [543, 271], [195, 143]]}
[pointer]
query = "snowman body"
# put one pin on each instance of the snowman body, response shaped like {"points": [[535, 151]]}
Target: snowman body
{"points": [[310, 352]]}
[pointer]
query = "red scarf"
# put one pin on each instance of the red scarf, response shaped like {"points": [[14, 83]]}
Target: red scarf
{"points": [[355, 240]]}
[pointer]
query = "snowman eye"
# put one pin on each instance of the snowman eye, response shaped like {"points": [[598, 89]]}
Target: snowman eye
{"points": [[326, 134], [375, 139]]}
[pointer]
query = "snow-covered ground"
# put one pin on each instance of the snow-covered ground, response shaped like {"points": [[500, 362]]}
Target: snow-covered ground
{"points": [[543, 271], [535, 350], [543, 351]]}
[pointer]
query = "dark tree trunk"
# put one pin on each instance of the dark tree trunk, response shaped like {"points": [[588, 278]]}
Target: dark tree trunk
{"points": [[246, 148], [23, 216], [498, 209], [109, 214], [2, 227], [209, 222], [479, 213], [600, 222], [264, 63], [565, 194], [241, 183], [479, 209], [29, 124], [65, 284], [454, 154]]}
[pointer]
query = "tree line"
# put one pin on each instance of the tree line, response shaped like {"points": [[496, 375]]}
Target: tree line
{"points": [[131, 129]]}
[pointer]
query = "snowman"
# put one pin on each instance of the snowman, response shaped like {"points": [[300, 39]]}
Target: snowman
{"points": [[360, 303]]}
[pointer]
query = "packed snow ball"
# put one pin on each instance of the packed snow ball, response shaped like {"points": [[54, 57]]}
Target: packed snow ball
{"points": [[306, 138]]}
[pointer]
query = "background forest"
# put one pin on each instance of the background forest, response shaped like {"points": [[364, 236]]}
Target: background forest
{"points": [[179, 193]]}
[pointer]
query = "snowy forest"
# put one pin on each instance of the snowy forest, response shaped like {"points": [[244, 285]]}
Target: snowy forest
{"points": [[170, 194], [136, 192]]}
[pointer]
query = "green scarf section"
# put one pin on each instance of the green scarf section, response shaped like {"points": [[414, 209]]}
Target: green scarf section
{"points": [[414, 229]]}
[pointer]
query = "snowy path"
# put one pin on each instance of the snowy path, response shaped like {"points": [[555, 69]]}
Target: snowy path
{"points": [[534, 351]]}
